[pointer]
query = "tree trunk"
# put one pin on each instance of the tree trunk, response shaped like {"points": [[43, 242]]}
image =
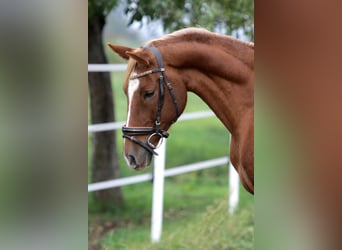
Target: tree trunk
{"points": [[104, 162]]}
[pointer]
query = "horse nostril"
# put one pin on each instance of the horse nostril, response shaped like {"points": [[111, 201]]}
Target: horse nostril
{"points": [[132, 161]]}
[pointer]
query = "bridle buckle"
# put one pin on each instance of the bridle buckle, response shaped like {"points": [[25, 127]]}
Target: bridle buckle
{"points": [[161, 139]]}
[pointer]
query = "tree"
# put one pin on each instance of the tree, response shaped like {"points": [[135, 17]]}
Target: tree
{"points": [[225, 16], [104, 162]]}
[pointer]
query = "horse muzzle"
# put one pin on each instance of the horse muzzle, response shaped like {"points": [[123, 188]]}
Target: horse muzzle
{"points": [[138, 154], [136, 157]]}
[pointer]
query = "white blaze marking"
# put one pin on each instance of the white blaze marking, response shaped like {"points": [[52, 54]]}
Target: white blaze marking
{"points": [[133, 85]]}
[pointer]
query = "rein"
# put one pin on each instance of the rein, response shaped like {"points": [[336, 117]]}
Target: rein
{"points": [[129, 132]]}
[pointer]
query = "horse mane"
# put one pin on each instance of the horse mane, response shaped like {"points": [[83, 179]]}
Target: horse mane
{"points": [[200, 35]]}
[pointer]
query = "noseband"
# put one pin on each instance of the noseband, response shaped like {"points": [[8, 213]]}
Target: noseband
{"points": [[129, 132]]}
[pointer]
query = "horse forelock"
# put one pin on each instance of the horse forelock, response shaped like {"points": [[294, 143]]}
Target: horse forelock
{"points": [[130, 66]]}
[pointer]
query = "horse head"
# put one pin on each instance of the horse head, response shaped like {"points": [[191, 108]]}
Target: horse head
{"points": [[155, 100]]}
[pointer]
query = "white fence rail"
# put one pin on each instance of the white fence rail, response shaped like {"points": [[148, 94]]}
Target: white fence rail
{"points": [[168, 172], [106, 67], [159, 165]]}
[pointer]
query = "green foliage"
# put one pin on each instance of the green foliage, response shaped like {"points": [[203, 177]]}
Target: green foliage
{"points": [[226, 16], [100, 7]]}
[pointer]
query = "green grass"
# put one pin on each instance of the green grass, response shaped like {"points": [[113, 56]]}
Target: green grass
{"points": [[213, 228], [186, 197]]}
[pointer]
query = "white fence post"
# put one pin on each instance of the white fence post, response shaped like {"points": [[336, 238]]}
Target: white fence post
{"points": [[158, 193], [234, 184]]}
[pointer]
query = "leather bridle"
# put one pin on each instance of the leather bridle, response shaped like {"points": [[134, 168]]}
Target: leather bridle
{"points": [[129, 132]]}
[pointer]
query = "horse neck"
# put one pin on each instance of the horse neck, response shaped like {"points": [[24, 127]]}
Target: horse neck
{"points": [[221, 75]]}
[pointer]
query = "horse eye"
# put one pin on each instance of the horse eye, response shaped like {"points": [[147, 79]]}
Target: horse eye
{"points": [[148, 95]]}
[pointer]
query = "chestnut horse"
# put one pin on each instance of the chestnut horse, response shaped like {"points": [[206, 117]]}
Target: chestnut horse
{"points": [[218, 68]]}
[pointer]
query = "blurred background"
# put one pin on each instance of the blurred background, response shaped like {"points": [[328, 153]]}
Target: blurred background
{"points": [[120, 218], [46, 149]]}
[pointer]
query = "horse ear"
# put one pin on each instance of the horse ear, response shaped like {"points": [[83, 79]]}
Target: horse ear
{"points": [[140, 55], [120, 50]]}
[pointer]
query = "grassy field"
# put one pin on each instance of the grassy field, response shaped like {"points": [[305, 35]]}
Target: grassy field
{"points": [[211, 229], [195, 205]]}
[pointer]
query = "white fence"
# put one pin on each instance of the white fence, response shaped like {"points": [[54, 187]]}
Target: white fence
{"points": [[159, 165]]}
